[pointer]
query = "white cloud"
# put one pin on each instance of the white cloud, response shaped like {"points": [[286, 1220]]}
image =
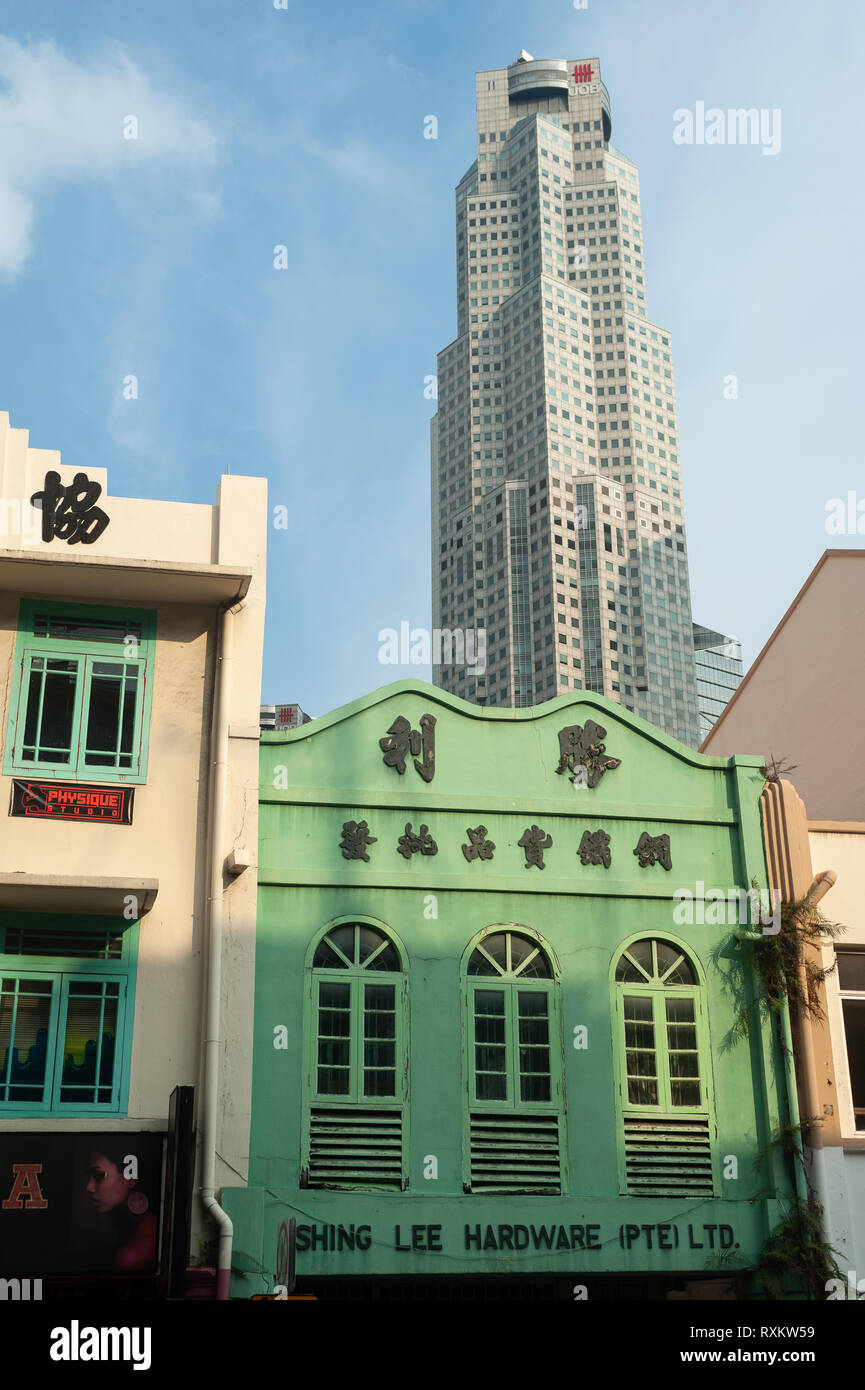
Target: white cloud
{"points": [[62, 121]]}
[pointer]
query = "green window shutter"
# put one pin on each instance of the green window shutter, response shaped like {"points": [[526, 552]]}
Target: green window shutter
{"points": [[666, 1113], [356, 1044], [514, 1118]]}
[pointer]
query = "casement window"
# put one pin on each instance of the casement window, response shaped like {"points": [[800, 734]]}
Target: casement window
{"points": [[354, 1130], [80, 702], [851, 988], [513, 1060], [666, 1116], [66, 1009]]}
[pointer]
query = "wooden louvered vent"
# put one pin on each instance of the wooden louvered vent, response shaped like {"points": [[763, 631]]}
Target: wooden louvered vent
{"points": [[360, 1148], [669, 1156], [515, 1153]]}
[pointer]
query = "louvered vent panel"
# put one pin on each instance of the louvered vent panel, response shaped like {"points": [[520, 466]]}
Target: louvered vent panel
{"points": [[362, 1147], [84, 944], [669, 1157], [515, 1153]]}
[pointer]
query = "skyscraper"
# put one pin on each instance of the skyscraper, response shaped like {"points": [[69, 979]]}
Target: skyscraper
{"points": [[719, 673], [556, 487]]}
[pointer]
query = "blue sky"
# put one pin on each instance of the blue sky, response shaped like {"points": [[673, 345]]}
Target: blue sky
{"points": [[304, 127]]}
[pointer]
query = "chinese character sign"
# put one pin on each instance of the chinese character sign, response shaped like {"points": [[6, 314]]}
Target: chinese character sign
{"points": [[70, 513], [402, 740], [582, 752]]}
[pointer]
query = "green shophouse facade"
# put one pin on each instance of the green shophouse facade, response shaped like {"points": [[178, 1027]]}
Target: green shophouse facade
{"points": [[487, 1045]]}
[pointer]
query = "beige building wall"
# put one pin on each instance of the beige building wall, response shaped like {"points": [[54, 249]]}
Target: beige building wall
{"points": [[843, 847], [188, 562], [801, 701]]}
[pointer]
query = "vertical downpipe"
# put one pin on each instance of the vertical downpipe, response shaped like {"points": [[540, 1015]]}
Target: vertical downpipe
{"points": [[213, 981]]}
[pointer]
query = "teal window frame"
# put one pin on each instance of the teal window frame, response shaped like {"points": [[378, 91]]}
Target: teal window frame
{"points": [[85, 653], [356, 976], [61, 971]]}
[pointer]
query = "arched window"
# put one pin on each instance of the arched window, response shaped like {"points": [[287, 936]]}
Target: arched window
{"points": [[356, 1047], [664, 1081], [513, 1065]]}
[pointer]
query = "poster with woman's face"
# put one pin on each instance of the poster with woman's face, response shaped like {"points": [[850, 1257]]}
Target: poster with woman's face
{"points": [[80, 1203]]}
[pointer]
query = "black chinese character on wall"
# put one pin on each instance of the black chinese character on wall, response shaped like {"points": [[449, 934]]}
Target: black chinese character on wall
{"points": [[595, 848], [356, 840], [70, 513], [421, 843], [479, 847], [534, 842], [403, 740], [653, 849], [581, 751]]}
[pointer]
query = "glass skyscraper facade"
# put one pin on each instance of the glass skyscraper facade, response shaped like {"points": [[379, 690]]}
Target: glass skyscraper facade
{"points": [[557, 514], [718, 661]]}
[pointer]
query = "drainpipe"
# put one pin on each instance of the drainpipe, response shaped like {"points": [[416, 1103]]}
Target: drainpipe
{"points": [[213, 982]]}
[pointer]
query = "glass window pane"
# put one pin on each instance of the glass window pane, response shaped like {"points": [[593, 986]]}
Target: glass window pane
{"points": [[534, 1049], [333, 994], [103, 715], [489, 1001], [334, 1043], [490, 1086], [496, 948], [635, 965], [640, 1056], [379, 1049], [535, 1087], [679, 1010], [25, 1015], [31, 718], [387, 959], [369, 940], [333, 1081], [89, 1044], [854, 1032], [325, 955], [49, 738], [343, 937], [130, 699], [667, 956], [490, 1050], [851, 970], [479, 965], [684, 1064], [642, 1091], [537, 967]]}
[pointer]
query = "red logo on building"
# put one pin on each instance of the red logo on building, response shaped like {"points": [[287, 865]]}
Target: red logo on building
{"points": [[582, 73]]}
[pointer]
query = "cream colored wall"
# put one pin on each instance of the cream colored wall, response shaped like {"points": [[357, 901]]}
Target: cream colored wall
{"points": [[140, 529], [803, 702], [241, 537], [168, 837], [844, 903]]}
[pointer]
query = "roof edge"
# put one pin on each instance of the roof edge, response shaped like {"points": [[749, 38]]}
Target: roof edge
{"points": [[606, 707]]}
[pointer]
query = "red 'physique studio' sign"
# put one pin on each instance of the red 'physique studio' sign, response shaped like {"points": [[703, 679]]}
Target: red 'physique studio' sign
{"points": [[69, 801]]}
